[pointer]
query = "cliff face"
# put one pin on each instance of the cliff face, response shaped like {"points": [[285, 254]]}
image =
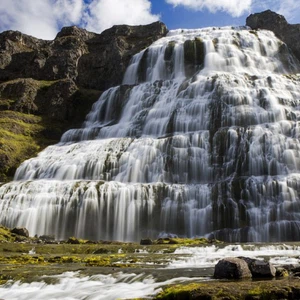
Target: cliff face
{"points": [[288, 33], [47, 87]]}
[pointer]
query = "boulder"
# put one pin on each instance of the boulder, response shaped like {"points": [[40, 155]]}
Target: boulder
{"points": [[20, 231], [146, 241], [47, 238], [232, 268], [260, 268], [73, 240], [281, 272]]}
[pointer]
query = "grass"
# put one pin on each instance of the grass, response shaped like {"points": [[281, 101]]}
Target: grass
{"points": [[20, 139], [23, 135]]}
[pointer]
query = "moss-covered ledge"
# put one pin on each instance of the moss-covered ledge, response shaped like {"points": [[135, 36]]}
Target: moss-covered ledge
{"points": [[34, 114], [287, 288]]}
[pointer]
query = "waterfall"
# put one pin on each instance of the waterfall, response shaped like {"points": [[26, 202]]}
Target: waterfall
{"points": [[201, 139]]}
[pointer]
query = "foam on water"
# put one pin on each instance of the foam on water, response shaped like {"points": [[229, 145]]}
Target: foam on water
{"points": [[73, 286], [201, 257]]}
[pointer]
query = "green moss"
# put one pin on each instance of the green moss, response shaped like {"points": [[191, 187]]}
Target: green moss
{"points": [[45, 83], [186, 241], [17, 140], [6, 103], [254, 32], [255, 291], [6, 235], [22, 259], [179, 291], [23, 135]]}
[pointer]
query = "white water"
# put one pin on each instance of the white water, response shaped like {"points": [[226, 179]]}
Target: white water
{"points": [[71, 286], [202, 146], [202, 257]]}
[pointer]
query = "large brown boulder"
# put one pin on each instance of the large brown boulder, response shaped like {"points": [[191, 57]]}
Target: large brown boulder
{"points": [[232, 268]]}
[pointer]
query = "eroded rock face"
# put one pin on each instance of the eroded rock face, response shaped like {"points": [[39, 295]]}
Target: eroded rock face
{"points": [[96, 61], [270, 20]]}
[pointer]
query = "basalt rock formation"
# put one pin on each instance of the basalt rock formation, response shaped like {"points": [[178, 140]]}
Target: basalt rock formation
{"points": [[47, 87]]}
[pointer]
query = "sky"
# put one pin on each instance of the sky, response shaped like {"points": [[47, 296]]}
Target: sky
{"points": [[44, 18]]}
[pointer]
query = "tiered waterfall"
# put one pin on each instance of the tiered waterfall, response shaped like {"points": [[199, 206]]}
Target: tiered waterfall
{"points": [[201, 139]]}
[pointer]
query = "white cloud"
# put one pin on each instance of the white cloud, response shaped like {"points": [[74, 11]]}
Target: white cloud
{"points": [[103, 14], [29, 16], [44, 18], [68, 11], [290, 9], [40, 18], [235, 8]]}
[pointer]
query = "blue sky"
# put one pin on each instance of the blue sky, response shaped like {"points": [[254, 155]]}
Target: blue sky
{"points": [[44, 18]]}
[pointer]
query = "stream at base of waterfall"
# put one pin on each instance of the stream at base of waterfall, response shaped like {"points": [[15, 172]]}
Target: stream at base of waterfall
{"points": [[186, 264]]}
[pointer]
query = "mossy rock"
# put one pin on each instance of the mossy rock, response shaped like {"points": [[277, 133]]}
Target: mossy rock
{"points": [[28, 118], [169, 51], [194, 53], [142, 68]]}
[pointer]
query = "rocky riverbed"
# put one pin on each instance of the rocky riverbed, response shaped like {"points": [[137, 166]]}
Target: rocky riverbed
{"points": [[170, 268]]}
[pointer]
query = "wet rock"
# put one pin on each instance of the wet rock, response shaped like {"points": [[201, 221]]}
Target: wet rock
{"points": [[146, 242], [281, 272], [194, 53], [73, 240], [169, 51], [101, 251], [21, 239], [232, 268], [260, 268], [292, 268], [22, 94], [22, 231], [47, 238], [110, 52]]}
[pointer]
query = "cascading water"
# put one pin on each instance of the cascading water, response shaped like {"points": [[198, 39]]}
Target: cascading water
{"points": [[201, 139]]}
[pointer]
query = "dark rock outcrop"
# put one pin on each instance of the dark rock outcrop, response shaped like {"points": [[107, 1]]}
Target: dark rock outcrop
{"points": [[47, 87], [20, 231], [95, 61], [109, 53], [288, 33], [260, 268], [146, 241], [232, 268]]}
